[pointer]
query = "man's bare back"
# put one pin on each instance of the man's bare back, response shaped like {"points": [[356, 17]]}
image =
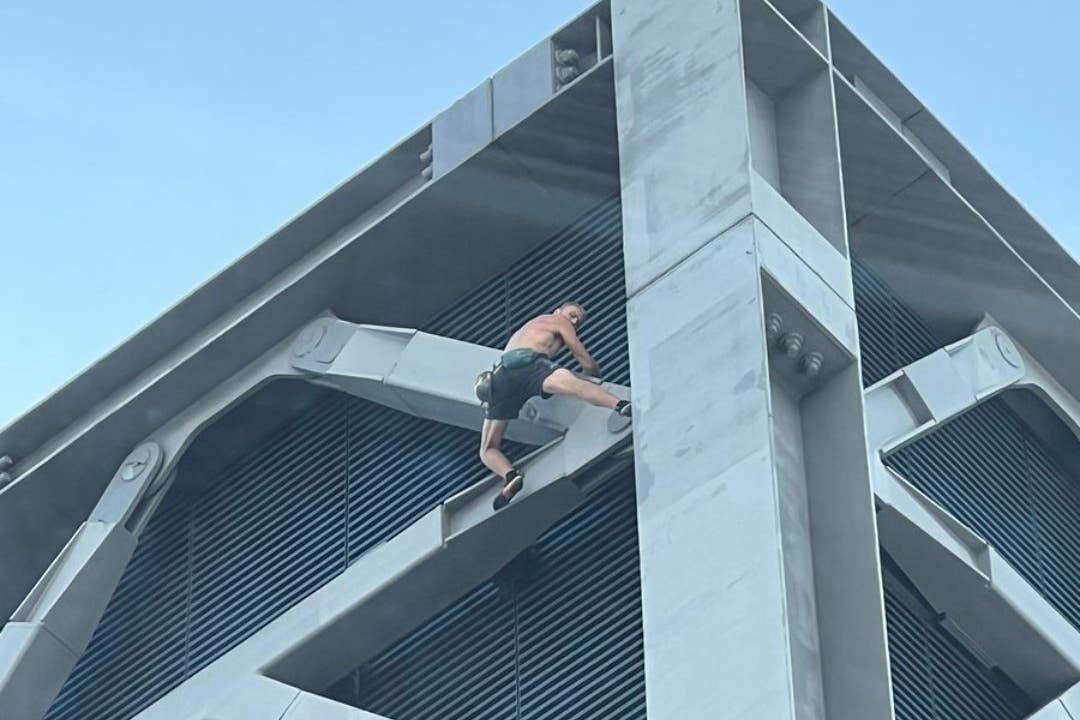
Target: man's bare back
{"points": [[540, 334], [548, 334]]}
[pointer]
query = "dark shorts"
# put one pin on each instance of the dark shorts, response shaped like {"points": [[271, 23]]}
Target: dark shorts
{"points": [[519, 376]]}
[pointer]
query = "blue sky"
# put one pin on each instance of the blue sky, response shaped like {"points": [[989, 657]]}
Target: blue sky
{"points": [[144, 146]]}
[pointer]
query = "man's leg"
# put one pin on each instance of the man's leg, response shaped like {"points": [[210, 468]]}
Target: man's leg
{"points": [[564, 382], [493, 457], [490, 453]]}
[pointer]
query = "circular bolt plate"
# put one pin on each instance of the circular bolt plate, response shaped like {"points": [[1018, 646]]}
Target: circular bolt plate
{"points": [[136, 463], [309, 339], [144, 458], [1008, 351]]}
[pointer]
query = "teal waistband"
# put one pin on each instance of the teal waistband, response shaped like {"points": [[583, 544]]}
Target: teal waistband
{"points": [[521, 357]]}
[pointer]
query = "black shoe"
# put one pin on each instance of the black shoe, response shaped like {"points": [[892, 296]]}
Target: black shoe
{"points": [[623, 409], [515, 481]]}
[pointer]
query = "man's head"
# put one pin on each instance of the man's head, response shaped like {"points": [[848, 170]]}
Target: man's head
{"points": [[573, 311]]}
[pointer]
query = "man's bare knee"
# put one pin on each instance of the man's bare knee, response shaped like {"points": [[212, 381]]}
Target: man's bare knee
{"points": [[562, 382]]}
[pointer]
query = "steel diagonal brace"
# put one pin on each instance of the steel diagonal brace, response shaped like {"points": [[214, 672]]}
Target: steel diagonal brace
{"points": [[52, 627], [421, 374], [953, 566]]}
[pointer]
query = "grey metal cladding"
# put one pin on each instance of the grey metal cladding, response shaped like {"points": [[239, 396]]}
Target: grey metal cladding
{"points": [[934, 677], [331, 483], [556, 634]]}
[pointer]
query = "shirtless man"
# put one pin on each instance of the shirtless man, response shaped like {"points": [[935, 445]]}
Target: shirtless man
{"points": [[525, 371]]}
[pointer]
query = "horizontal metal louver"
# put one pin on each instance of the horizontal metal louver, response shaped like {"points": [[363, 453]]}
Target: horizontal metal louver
{"points": [[890, 335], [557, 634], [331, 484], [934, 676]]}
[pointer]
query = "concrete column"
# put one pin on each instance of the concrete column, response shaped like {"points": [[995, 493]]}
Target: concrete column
{"points": [[754, 502], [711, 569]]}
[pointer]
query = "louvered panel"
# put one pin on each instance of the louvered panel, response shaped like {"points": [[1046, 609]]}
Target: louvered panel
{"points": [[137, 652], [584, 264], [580, 636], [976, 467], [556, 635], [459, 665], [479, 317], [400, 467], [1056, 510], [934, 676], [890, 337], [269, 532]]}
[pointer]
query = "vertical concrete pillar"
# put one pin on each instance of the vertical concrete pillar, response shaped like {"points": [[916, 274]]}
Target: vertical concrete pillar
{"points": [[712, 586], [741, 505]]}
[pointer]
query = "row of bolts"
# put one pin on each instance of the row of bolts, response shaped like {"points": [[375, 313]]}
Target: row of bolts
{"points": [[566, 69], [791, 344]]}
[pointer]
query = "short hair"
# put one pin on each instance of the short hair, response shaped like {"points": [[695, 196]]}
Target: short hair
{"points": [[579, 306]]}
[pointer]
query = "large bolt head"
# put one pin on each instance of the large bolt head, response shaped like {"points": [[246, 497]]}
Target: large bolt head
{"points": [[135, 464], [791, 344], [309, 339], [774, 325], [811, 363]]}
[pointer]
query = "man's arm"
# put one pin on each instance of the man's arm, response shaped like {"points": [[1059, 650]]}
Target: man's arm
{"points": [[568, 334]]}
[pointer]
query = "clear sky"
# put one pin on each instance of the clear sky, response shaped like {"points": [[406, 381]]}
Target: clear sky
{"points": [[146, 145]]}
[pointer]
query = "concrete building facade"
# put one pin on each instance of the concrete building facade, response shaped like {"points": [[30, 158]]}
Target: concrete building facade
{"points": [[852, 485]]}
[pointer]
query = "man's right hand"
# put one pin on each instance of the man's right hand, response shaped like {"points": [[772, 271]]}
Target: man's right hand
{"points": [[593, 372]]}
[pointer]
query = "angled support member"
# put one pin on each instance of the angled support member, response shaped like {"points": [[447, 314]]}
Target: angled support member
{"points": [[425, 375], [958, 570], [52, 627]]}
